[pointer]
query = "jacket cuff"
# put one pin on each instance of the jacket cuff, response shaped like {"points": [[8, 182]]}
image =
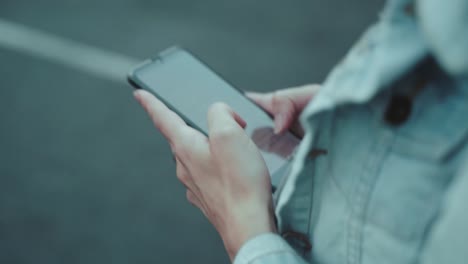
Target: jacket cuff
{"points": [[263, 246]]}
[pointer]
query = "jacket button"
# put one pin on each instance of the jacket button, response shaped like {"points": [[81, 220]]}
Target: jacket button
{"points": [[409, 9], [297, 239], [314, 153], [398, 110]]}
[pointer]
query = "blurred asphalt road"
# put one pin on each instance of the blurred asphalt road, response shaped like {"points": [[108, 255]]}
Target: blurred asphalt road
{"points": [[84, 177]]}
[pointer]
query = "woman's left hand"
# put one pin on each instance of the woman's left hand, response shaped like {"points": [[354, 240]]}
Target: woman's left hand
{"points": [[225, 174]]}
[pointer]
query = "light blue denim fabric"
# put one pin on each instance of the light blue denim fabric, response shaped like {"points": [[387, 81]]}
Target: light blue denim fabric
{"points": [[383, 193]]}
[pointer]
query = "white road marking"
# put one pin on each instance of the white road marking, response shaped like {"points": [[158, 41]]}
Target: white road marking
{"points": [[101, 63]]}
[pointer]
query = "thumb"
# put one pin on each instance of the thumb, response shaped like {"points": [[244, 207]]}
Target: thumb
{"points": [[221, 116]]}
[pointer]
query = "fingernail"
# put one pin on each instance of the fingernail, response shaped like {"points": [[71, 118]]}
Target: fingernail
{"points": [[137, 95]]}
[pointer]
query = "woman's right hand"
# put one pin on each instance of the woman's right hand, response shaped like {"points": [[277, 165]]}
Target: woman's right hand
{"points": [[285, 106]]}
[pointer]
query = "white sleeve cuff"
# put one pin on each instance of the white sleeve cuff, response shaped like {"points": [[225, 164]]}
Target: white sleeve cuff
{"points": [[266, 246]]}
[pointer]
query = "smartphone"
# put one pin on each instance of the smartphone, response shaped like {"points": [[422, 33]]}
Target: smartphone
{"points": [[189, 87]]}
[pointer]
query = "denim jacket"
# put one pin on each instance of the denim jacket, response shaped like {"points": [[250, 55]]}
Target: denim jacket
{"points": [[381, 175]]}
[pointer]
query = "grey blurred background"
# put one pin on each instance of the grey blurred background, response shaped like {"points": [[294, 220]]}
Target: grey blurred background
{"points": [[84, 177]]}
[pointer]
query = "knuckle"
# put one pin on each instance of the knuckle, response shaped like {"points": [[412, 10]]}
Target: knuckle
{"points": [[217, 107], [191, 197], [282, 102], [183, 177], [277, 99], [277, 94], [182, 174]]}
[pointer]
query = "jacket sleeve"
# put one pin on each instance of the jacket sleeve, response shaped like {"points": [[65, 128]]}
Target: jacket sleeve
{"points": [[448, 239], [267, 249], [444, 26]]}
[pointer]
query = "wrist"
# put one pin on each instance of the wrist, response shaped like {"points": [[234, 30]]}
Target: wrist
{"points": [[246, 223]]}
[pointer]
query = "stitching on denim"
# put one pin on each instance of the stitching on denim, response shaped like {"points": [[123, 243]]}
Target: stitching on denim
{"points": [[278, 251]]}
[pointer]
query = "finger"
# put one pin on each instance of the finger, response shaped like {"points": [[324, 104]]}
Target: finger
{"points": [[285, 105], [288, 105], [274, 104], [285, 113], [192, 189], [165, 120], [299, 96], [193, 199], [264, 100], [221, 116], [183, 175]]}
